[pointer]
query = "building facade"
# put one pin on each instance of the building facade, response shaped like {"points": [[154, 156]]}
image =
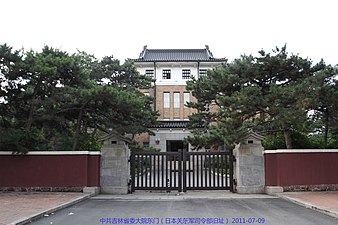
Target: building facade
{"points": [[172, 68]]}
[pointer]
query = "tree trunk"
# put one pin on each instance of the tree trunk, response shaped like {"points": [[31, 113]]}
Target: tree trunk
{"points": [[32, 106], [326, 127], [287, 136], [94, 132], [30, 116], [78, 129]]}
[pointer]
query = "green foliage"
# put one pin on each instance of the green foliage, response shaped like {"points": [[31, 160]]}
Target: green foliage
{"points": [[318, 141], [135, 147], [68, 99], [88, 143], [273, 92], [322, 98], [21, 140], [301, 141]]}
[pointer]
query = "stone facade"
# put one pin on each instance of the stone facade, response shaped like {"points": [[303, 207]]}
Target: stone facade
{"points": [[249, 165], [172, 113], [115, 169], [42, 189], [321, 187]]}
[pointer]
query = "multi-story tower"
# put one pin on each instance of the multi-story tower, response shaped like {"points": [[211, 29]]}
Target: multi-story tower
{"points": [[171, 68]]}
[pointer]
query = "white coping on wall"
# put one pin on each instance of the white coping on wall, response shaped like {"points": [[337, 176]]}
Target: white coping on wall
{"points": [[299, 151], [55, 153]]}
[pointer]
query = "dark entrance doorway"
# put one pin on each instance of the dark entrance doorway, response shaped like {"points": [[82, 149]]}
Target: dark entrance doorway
{"points": [[176, 145]]}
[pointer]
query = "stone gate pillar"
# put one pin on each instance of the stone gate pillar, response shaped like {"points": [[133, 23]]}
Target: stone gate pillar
{"points": [[115, 169], [249, 165]]}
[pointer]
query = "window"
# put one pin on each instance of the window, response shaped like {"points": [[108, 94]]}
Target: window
{"points": [[145, 144], [166, 100], [176, 100], [203, 72], [186, 74], [166, 74], [150, 73], [186, 98]]}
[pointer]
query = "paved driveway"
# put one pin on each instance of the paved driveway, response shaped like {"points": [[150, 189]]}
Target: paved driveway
{"points": [[18, 206], [189, 211]]}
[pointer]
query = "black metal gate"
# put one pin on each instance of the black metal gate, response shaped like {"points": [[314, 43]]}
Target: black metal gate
{"points": [[181, 171]]}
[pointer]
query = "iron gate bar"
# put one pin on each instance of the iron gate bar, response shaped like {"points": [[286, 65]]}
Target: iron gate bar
{"points": [[132, 172], [231, 171], [162, 170], [218, 172], [174, 171], [181, 158], [210, 168], [227, 169], [205, 173], [208, 171], [146, 171], [184, 155], [193, 171], [158, 170], [222, 173], [198, 169], [141, 170], [166, 175], [154, 172]]}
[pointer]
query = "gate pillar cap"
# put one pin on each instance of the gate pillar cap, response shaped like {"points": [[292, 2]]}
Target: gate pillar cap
{"points": [[252, 137], [108, 139]]}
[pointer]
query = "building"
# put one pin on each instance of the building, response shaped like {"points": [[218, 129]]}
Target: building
{"points": [[171, 68]]}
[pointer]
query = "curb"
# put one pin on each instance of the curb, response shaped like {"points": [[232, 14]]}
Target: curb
{"points": [[39, 215], [175, 197], [310, 206]]}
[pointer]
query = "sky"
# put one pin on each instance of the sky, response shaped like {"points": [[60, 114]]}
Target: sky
{"points": [[122, 27]]}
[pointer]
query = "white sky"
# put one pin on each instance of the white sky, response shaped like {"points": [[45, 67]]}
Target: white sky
{"points": [[122, 27]]}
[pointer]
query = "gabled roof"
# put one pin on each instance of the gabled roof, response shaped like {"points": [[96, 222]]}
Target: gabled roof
{"points": [[115, 134], [251, 134], [177, 55]]}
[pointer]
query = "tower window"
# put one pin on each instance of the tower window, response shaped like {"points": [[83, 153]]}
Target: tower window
{"points": [[177, 100], [166, 100], [150, 73], [203, 72], [186, 98], [186, 74], [166, 74]]}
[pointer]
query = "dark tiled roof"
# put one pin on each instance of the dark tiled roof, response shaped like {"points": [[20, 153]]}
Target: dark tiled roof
{"points": [[170, 124], [177, 55]]}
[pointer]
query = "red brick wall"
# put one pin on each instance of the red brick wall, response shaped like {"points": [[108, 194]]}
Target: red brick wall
{"points": [[172, 113], [67, 170], [301, 168]]}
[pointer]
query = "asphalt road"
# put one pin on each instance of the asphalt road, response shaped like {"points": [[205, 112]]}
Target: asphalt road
{"points": [[272, 211]]}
